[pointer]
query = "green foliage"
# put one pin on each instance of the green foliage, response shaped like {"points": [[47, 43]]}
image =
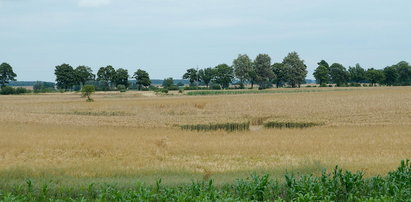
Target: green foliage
{"points": [[224, 75], [339, 75], [264, 72], [276, 124], [43, 87], [86, 91], [357, 74], [107, 74], [122, 88], [143, 79], [296, 70], [230, 127], [83, 74], [375, 76], [7, 90], [391, 75], [337, 185], [192, 76], [65, 76], [6, 74], [121, 77], [168, 82], [243, 66], [281, 72], [322, 75], [206, 75]]}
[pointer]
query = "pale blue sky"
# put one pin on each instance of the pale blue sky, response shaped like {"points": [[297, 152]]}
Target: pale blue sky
{"points": [[165, 37]]}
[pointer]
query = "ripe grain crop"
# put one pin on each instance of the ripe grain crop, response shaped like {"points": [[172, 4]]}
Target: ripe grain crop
{"points": [[132, 136]]}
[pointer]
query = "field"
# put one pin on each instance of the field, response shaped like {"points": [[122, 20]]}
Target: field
{"points": [[122, 138]]}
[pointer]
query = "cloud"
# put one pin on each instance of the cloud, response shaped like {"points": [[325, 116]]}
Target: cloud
{"points": [[93, 3]]}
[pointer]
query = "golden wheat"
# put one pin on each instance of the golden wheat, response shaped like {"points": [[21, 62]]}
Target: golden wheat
{"points": [[133, 134]]}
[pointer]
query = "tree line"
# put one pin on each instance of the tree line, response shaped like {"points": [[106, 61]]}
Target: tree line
{"points": [[107, 78], [394, 75], [291, 72]]}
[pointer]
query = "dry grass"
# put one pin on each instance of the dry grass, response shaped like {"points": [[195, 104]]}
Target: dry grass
{"points": [[128, 135]]}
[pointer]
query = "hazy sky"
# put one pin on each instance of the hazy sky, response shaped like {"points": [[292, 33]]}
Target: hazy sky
{"points": [[165, 37]]}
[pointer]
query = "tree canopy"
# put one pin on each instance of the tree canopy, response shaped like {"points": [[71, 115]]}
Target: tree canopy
{"points": [[6, 74], [296, 70], [143, 78]]}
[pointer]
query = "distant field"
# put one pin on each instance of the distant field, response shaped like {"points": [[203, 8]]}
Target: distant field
{"points": [[124, 137]]}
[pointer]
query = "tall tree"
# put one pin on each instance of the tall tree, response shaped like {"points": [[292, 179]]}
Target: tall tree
{"points": [[357, 73], [264, 72], [224, 75], [206, 75], [107, 74], [6, 74], [280, 73], [375, 76], [296, 69], [404, 73], [191, 75], [142, 78], [339, 74], [83, 74], [121, 77], [243, 67], [391, 75], [322, 74], [65, 76]]}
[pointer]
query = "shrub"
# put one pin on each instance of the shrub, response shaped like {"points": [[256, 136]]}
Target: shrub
{"points": [[7, 90], [21, 90], [86, 91], [121, 88]]}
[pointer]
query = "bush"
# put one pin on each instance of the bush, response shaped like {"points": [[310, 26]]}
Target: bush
{"points": [[173, 87], [215, 87], [121, 88], [7, 90], [21, 90], [86, 91]]}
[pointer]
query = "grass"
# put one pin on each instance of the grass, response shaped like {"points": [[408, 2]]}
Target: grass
{"points": [[230, 127], [41, 138], [338, 185], [276, 124]]}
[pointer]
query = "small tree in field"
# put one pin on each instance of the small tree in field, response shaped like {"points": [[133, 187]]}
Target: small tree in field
{"points": [[86, 91]]}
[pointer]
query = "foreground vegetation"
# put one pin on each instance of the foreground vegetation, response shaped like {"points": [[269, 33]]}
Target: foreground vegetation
{"points": [[337, 185]]}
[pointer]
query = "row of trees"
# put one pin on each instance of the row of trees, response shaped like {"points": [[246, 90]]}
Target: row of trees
{"points": [[261, 71], [68, 77], [398, 74]]}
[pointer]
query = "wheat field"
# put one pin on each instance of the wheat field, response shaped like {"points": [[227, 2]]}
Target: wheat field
{"points": [[135, 135]]}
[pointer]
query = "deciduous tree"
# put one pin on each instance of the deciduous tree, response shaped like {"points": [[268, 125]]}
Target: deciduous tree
{"points": [[6, 74], [65, 76], [142, 78], [243, 67], [295, 68], [264, 72], [191, 75], [224, 75], [339, 74]]}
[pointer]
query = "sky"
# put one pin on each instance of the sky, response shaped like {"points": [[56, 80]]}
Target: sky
{"points": [[166, 37]]}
